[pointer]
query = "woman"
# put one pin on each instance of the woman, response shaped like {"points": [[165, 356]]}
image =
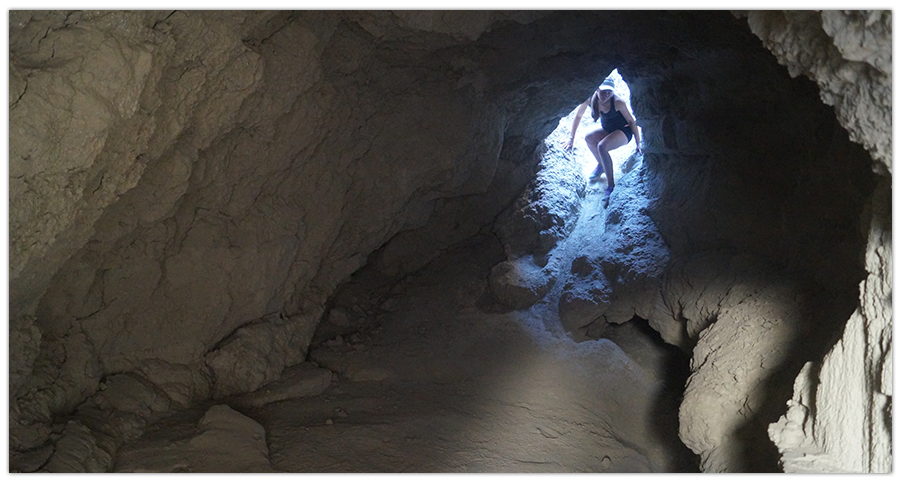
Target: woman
{"points": [[618, 128]]}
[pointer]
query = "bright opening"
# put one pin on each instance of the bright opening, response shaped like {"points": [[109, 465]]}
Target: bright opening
{"points": [[583, 156]]}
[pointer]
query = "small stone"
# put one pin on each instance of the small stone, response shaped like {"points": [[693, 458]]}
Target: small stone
{"points": [[329, 422], [340, 412]]}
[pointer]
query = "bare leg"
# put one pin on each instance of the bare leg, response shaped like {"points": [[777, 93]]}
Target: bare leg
{"points": [[611, 142], [593, 139]]}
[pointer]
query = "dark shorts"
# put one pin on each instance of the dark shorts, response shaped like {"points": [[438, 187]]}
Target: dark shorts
{"points": [[626, 130]]}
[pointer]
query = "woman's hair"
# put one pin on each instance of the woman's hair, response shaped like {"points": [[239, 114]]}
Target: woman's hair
{"points": [[595, 105]]}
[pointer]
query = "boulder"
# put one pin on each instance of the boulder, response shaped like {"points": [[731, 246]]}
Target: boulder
{"points": [[223, 441], [520, 283]]}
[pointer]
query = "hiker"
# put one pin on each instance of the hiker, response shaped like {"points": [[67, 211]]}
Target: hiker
{"points": [[618, 129]]}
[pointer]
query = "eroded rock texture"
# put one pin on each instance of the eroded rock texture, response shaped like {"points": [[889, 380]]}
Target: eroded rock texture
{"points": [[542, 216], [615, 273], [223, 440], [759, 196], [176, 176], [849, 55], [188, 189], [743, 164]]}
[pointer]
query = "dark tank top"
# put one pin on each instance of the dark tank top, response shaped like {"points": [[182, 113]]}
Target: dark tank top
{"points": [[612, 120]]}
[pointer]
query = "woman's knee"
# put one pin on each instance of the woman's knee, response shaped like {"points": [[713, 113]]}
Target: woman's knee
{"points": [[602, 147], [612, 142], [593, 138]]}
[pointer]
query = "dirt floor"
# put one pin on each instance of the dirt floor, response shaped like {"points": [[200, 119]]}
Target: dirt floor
{"points": [[448, 382]]}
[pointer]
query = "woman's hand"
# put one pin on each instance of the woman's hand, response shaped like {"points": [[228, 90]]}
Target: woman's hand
{"points": [[575, 122], [640, 150]]}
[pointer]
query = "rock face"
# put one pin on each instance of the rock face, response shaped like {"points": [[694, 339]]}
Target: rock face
{"points": [[849, 55], [531, 228], [188, 189], [223, 441], [747, 344], [520, 283], [746, 227], [838, 419], [176, 177], [616, 272], [297, 381]]}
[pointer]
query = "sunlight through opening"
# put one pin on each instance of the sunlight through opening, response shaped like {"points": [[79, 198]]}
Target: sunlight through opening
{"points": [[582, 155]]}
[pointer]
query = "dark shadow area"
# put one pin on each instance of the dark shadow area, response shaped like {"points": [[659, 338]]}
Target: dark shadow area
{"points": [[824, 319], [643, 344]]}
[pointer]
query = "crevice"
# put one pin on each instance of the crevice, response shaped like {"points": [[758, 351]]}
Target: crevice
{"points": [[19, 98]]}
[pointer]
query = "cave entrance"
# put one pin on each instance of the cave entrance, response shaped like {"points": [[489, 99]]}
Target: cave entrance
{"points": [[583, 156]]}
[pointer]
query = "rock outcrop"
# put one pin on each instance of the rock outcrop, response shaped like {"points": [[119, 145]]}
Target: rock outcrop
{"points": [[748, 321], [222, 441], [849, 55], [542, 216], [616, 272], [838, 419], [177, 176]]}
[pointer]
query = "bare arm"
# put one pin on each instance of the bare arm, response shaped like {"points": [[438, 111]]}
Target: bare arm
{"points": [[623, 109], [575, 123]]}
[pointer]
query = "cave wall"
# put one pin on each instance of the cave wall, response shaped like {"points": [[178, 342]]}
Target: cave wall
{"points": [[747, 160], [762, 196], [839, 416], [187, 189], [233, 167], [176, 176], [753, 184]]}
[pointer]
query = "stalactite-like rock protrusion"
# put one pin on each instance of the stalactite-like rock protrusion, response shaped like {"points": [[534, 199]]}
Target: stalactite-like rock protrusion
{"points": [[838, 419], [849, 55], [748, 321]]}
